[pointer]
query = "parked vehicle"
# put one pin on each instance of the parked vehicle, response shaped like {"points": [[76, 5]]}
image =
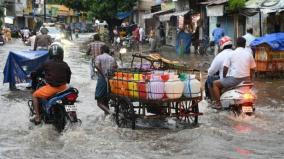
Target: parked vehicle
{"points": [[2, 41]]}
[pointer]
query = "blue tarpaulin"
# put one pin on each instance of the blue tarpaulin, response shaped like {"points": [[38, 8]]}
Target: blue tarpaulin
{"points": [[275, 41], [19, 64], [123, 15]]}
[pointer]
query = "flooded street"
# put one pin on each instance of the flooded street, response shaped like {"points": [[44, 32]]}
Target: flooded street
{"points": [[220, 135]]}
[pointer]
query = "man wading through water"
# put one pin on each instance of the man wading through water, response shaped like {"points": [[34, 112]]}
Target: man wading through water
{"points": [[104, 63]]}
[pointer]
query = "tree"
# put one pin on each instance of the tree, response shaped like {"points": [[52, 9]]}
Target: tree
{"points": [[78, 5], [236, 5], [108, 9], [1, 16]]}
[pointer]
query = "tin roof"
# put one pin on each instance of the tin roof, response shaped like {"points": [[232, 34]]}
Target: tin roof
{"points": [[214, 2]]}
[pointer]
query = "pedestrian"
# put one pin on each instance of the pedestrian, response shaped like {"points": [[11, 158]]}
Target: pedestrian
{"points": [[195, 40], [153, 41], [94, 49], [249, 38], [135, 38], [69, 32], [217, 33], [183, 41], [162, 34], [7, 34], [31, 40], [43, 40], [104, 63], [141, 34]]}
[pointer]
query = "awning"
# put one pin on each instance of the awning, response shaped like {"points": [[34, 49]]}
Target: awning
{"points": [[214, 2], [149, 16], [123, 15], [9, 20], [167, 17], [215, 10], [266, 6]]}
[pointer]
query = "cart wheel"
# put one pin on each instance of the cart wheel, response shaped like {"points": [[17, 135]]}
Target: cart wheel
{"points": [[124, 114], [188, 112]]}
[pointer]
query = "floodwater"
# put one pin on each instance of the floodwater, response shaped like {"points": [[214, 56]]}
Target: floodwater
{"points": [[220, 135]]}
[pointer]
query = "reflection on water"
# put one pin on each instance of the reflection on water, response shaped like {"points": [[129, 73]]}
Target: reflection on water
{"points": [[220, 135]]}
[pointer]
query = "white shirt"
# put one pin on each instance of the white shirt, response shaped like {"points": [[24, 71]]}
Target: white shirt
{"points": [[218, 61], [32, 39], [249, 38], [141, 34], [240, 63]]}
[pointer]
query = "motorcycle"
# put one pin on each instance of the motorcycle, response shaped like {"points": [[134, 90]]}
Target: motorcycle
{"points": [[58, 109], [2, 41], [239, 99]]}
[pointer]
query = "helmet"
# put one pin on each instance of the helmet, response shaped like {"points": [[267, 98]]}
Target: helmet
{"points": [[224, 41], [56, 51], [44, 30]]}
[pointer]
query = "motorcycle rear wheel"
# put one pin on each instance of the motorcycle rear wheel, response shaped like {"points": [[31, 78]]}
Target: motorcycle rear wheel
{"points": [[60, 118]]}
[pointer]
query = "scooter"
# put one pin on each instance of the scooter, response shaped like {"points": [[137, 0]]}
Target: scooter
{"points": [[239, 99]]}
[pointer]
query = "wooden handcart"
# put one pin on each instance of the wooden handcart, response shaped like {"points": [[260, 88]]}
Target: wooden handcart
{"points": [[128, 107]]}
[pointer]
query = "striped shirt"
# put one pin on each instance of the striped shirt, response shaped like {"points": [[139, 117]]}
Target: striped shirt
{"points": [[94, 48]]}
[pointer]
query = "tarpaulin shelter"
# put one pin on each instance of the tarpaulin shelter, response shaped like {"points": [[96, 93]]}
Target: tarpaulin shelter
{"points": [[20, 63], [269, 53], [275, 41]]}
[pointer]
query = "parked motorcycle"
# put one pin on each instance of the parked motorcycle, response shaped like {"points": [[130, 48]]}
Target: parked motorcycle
{"points": [[239, 99], [2, 41], [58, 109]]}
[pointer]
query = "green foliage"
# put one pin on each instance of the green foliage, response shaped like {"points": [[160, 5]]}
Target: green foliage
{"points": [[101, 9], [107, 9], [1, 15], [236, 4], [78, 5], [1, 12]]}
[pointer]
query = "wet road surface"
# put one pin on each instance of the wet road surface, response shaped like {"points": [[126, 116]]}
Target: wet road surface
{"points": [[220, 135]]}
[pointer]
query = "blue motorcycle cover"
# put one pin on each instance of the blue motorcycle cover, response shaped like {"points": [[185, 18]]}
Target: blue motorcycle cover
{"points": [[20, 63]]}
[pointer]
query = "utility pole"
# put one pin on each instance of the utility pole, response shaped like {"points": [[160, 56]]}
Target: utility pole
{"points": [[44, 10]]}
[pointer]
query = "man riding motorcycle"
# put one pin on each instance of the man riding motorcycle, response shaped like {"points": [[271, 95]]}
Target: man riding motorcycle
{"points": [[215, 70], [43, 40], [241, 65], [57, 74]]}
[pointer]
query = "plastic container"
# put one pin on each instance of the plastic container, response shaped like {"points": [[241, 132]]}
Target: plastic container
{"points": [[156, 88], [191, 87], [142, 90], [174, 87]]}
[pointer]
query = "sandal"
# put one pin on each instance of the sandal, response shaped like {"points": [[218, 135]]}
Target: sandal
{"points": [[35, 121], [216, 105]]}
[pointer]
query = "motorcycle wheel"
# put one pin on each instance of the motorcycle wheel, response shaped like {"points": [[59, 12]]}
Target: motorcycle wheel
{"points": [[60, 118]]}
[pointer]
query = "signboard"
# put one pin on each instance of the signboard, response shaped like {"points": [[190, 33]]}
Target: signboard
{"points": [[215, 11], [168, 5], [19, 9]]}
